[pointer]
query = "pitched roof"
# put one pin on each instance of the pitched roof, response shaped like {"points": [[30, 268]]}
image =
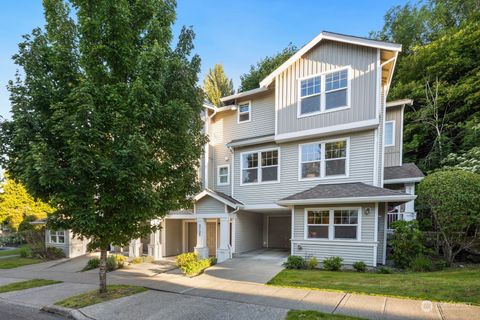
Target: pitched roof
{"points": [[355, 192], [404, 172], [220, 196], [252, 140]]}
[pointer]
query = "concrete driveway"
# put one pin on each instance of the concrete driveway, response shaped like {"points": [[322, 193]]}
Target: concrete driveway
{"points": [[257, 266]]}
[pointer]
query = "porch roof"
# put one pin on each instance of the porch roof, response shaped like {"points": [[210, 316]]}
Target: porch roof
{"points": [[220, 196], [341, 193], [408, 172]]}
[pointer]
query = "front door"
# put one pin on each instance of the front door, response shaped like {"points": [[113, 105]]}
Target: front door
{"points": [[212, 238]]}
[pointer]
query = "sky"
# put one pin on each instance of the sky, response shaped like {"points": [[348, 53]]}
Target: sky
{"points": [[235, 33]]}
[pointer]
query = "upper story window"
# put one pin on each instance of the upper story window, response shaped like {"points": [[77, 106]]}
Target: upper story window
{"points": [[389, 133], [244, 112], [260, 166], [323, 159], [325, 92], [223, 175], [332, 224], [56, 236]]}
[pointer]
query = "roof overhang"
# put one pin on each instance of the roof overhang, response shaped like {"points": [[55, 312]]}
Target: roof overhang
{"points": [[215, 196], [244, 94], [403, 180], [397, 103], [252, 141], [396, 199]]}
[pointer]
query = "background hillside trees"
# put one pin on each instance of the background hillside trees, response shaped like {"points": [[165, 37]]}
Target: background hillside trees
{"points": [[216, 85]]}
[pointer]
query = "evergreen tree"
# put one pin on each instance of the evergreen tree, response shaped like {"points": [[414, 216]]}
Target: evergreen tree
{"points": [[217, 85]]}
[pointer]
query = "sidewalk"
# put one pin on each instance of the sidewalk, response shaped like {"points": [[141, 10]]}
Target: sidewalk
{"points": [[221, 293]]}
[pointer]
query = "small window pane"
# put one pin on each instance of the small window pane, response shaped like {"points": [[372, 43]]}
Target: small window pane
{"points": [[310, 86], [244, 117], [311, 170], [310, 104], [336, 80], [250, 175], [345, 232], [336, 99], [244, 108], [250, 160], [223, 179], [270, 158], [270, 173], [318, 232], [311, 152], [318, 217], [336, 149], [61, 239], [335, 167], [53, 238], [389, 133]]}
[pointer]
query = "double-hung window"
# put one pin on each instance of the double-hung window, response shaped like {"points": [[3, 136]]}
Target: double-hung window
{"points": [[332, 224], [323, 159], [244, 110], [324, 92], [260, 166], [57, 236], [223, 175], [390, 133]]}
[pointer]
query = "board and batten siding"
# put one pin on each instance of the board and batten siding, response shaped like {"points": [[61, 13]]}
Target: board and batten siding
{"points": [[248, 231], [209, 205], [224, 128], [349, 251], [326, 56], [393, 154], [361, 167]]}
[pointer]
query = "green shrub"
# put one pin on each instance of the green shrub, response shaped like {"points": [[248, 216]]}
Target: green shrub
{"points": [[439, 264], [312, 263], [407, 243], [25, 252], [295, 262], [421, 263], [185, 258], [385, 270], [195, 268], [93, 263], [213, 261], [360, 266], [332, 263], [49, 253]]}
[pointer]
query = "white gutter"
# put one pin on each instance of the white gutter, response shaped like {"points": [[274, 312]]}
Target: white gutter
{"points": [[400, 198], [403, 180]]}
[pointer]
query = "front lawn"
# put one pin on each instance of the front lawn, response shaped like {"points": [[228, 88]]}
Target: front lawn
{"points": [[452, 285], [94, 297], [14, 262], [9, 252], [27, 285], [315, 315]]}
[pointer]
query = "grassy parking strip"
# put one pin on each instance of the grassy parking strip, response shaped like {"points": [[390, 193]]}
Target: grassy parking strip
{"points": [[14, 262], [10, 252], [22, 285], [315, 315], [451, 285], [94, 297]]}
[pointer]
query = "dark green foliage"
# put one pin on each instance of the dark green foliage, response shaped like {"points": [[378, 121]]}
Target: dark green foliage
{"points": [[360, 266], [385, 270], [421, 263], [312, 263], [295, 262], [93, 263], [25, 252], [407, 242], [332, 263], [47, 253], [264, 67]]}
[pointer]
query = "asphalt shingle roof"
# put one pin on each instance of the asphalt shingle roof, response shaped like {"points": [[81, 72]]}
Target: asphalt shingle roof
{"points": [[407, 170]]}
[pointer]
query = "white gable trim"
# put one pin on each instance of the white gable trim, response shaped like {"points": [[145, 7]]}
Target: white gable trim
{"points": [[207, 192]]}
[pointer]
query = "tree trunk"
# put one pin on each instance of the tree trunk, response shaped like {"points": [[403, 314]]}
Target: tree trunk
{"points": [[448, 254], [103, 270]]}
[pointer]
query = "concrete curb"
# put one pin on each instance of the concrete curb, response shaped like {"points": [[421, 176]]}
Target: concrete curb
{"points": [[66, 312]]}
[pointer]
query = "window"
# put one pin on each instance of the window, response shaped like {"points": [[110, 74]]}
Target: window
{"points": [[260, 166], [323, 159], [325, 92], [244, 112], [57, 236], [389, 133], [223, 175], [332, 224]]}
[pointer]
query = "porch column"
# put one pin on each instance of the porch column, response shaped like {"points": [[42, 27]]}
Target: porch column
{"points": [[223, 251], [134, 248], [201, 248], [410, 206]]}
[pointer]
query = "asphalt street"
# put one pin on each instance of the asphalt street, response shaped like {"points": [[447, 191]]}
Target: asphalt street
{"points": [[14, 312]]}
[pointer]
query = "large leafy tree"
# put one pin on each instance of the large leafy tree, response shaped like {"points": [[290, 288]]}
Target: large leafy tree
{"points": [[16, 205], [216, 84], [264, 67], [106, 118]]}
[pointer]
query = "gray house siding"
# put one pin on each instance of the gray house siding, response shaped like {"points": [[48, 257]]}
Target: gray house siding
{"points": [[248, 231], [350, 251], [209, 205], [361, 167], [381, 232], [393, 154], [324, 57], [72, 247]]}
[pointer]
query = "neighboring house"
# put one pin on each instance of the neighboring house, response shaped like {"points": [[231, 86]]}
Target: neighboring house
{"points": [[311, 162]]}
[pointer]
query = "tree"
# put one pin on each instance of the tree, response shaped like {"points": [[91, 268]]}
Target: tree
{"points": [[264, 67], [217, 85], [16, 205], [452, 196], [468, 161], [106, 118]]}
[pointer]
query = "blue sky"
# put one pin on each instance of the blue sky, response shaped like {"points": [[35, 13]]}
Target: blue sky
{"points": [[235, 33]]}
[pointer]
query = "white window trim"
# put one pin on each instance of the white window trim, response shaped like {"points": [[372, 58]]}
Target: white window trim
{"points": [[259, 172], [331, 225], [249, 102], [219, 183], [322, 160], [322, 93], [56, 233], [393, 133]]}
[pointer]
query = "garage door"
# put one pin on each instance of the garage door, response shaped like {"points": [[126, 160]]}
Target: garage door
{"points": [[279, 232]]}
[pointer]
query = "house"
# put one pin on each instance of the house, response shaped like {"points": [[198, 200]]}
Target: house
{"points": [[310, 162]]}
